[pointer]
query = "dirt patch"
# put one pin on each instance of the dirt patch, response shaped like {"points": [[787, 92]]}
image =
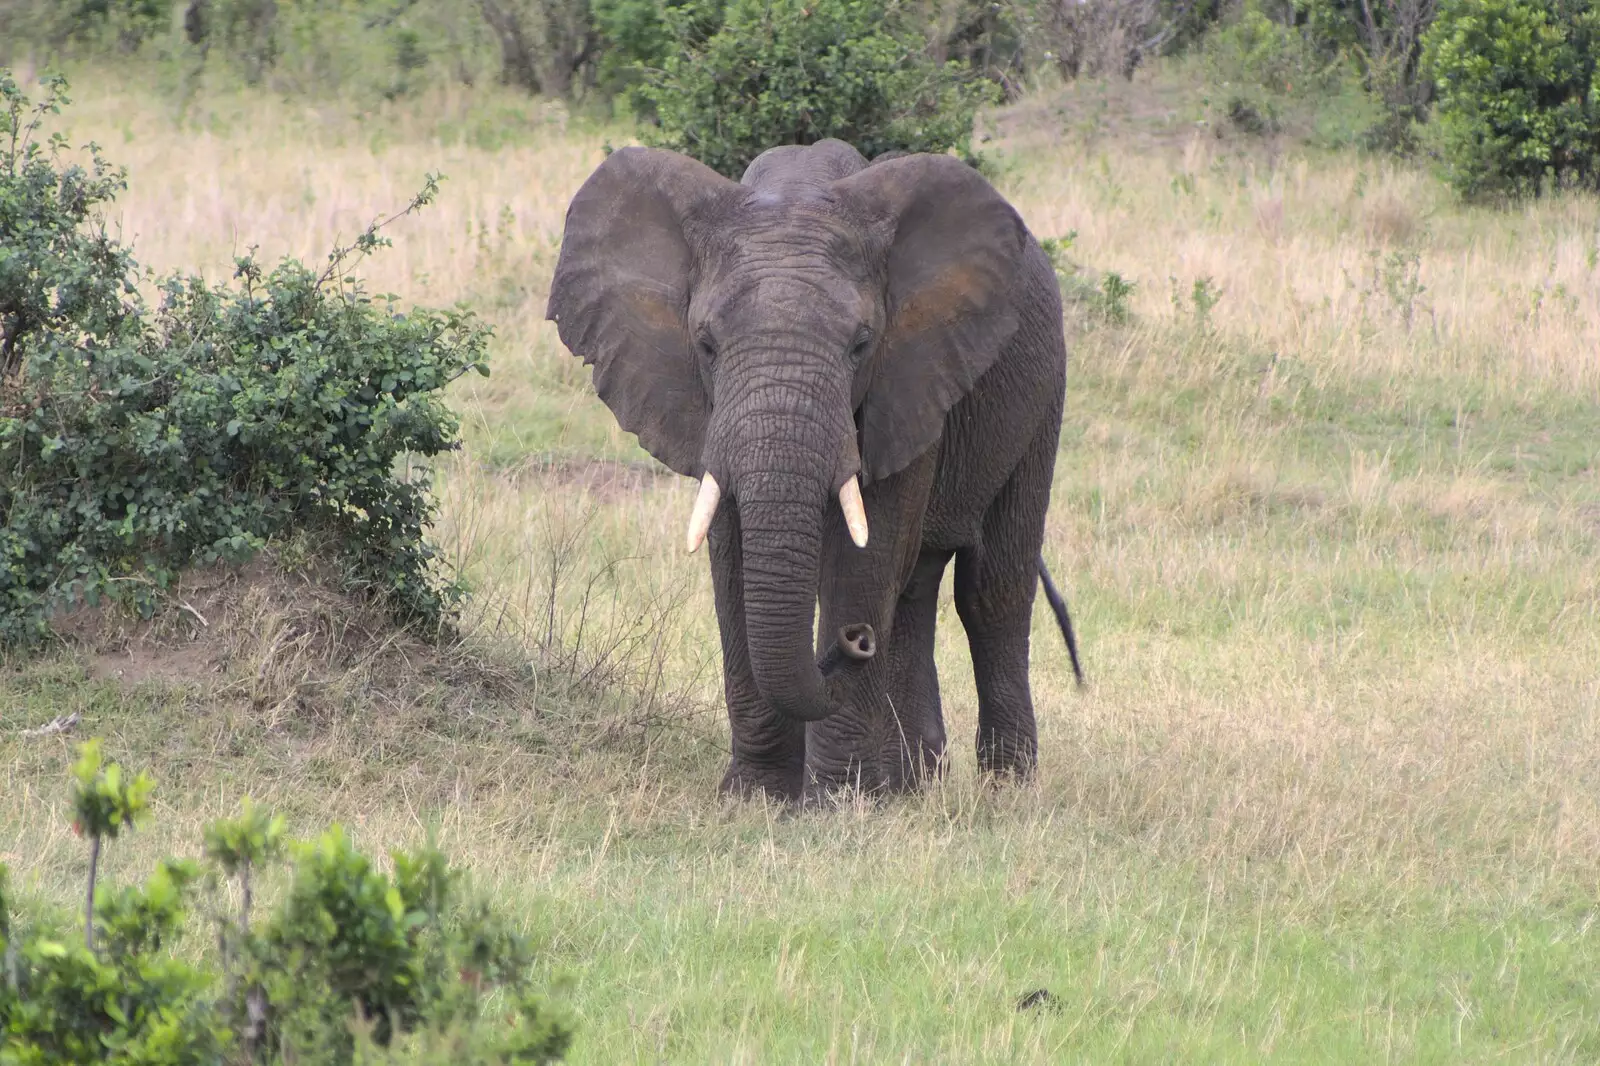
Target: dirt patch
{"points": [[1157, 111], [282, 653], [605, 479], [262, 630], [140, 664], [1150, 111]]}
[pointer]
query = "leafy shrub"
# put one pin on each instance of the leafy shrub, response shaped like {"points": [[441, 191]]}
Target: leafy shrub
{"points": [[1105, 302], [798, 71], [1383, 38], [1264, 64], [1518, 93], [1255, 49], [121, 25], [636, 37], [129, 21], [351, 964], [135, 442], [103, 805], [365, 48], [1270, 73]]}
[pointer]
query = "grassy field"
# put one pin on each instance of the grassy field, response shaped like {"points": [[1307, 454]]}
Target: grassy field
{"points": [[1327, 510]]}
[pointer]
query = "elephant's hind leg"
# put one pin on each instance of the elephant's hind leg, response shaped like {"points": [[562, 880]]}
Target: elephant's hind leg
{"points": [[995, 585]]}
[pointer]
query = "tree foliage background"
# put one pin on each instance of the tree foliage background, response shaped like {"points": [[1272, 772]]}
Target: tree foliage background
{"points": [[1500, 93]]}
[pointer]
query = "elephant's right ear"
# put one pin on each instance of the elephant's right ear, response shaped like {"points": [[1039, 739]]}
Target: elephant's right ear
{"points": [[620, 295]]}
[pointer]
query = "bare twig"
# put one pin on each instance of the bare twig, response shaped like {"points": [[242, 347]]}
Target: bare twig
{"points": [[59, 724]]}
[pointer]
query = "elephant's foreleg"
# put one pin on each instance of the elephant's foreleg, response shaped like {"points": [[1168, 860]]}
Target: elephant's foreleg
{"points": [[995, 585], [861, 746], [916, 754], [769, 749]]}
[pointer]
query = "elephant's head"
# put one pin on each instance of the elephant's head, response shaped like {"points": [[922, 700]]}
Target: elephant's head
{"points": [[785, 341]]}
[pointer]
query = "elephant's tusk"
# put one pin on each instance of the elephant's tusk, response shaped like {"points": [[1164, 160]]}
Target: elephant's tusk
{"points": [[705, 508], [855, 515]]}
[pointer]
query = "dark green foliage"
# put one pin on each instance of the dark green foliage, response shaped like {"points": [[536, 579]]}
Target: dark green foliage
{"points": [[352, 966], [1188, 21], [128, 22], [1245, 117], [1518, 93], [636, 37], [1111, 302], [344, 926], [61, 276], [1273, 58], [798, 71], [135, 442]]}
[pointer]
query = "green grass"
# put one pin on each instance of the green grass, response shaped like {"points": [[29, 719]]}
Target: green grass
{"points": [[681, 930], [1333, 794]]}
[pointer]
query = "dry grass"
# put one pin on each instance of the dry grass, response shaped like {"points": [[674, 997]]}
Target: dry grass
{"points": [[1332, 552]]}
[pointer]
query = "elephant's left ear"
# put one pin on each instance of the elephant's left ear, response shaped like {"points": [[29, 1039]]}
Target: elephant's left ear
{"points": [[954, 262]]}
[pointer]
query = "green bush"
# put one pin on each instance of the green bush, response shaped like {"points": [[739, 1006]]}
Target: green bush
{"points": [[1268, 72], [636, 37], [129, 22], [1254, 51], [798, 71], [352, 965], [98, 25], [1518, 93], [135, 442]]}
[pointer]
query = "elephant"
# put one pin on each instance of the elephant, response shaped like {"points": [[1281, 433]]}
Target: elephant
{"points": [[824, 342]]}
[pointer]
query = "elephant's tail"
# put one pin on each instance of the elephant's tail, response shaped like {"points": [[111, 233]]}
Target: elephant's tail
{"points": [[1059, 606]]}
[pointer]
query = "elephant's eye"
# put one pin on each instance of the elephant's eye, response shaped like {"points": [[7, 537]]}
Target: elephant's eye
{"points": [[858, 347], [708, 347]]}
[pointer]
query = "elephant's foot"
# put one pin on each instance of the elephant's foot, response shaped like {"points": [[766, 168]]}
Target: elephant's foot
{"points": [[1008, 758], [847, 783], [747, 782], [897, 771], [840, 796], [911, 767]]}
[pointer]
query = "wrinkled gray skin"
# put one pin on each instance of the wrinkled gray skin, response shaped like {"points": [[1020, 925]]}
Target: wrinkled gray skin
{"points": [[821, 319]]}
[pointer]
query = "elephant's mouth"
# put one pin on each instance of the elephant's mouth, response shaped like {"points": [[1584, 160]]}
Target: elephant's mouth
{"points": [[710, 496], [782, 519], [854, 644]]}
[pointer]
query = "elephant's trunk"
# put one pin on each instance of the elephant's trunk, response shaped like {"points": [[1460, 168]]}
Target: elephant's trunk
{"points": [[781, 546], [786, 446]]}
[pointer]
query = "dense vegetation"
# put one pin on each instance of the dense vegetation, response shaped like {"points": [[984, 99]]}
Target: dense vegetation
{"points": [[797, 71], [137, 441], [1519, 93], [1501, 93]]}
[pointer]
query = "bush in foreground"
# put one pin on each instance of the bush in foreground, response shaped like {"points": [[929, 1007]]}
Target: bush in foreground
{"points": [[798, 71], [350, 965], [137, 441]]}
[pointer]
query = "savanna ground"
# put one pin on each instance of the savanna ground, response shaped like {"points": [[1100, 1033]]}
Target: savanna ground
{"points": [[1326, 509]]}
